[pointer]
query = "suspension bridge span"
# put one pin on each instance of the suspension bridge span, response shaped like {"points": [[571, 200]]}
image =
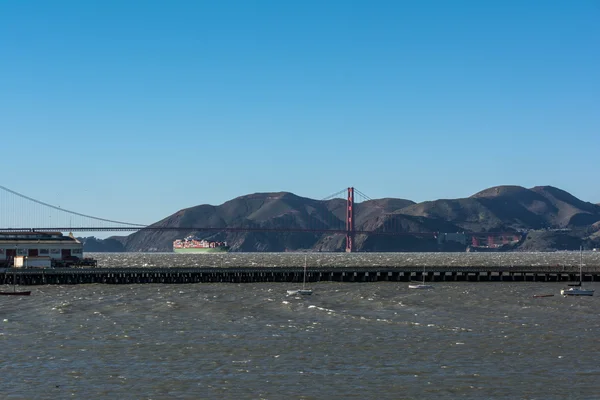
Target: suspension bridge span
{"points": [[19, 212]]}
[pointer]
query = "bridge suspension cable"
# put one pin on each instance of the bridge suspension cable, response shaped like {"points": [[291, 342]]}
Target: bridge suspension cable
{"points": [[68, 211], [361, 194], [341, 194]]}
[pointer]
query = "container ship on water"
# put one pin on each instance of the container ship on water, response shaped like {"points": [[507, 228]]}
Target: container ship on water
{"points": [[192, 244]]}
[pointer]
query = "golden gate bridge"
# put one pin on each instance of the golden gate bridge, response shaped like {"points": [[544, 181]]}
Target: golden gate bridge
{"points": [[22, 213]]}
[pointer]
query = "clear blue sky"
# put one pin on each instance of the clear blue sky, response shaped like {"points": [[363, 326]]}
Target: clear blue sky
{"points": [[132, 110]]}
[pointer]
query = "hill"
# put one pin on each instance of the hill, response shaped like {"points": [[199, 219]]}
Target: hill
{"points": [[497, 209], [505, 208], [113, 244]]}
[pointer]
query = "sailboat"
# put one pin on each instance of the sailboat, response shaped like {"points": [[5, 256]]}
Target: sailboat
{"points": [[576, 289], [420, 285], [14, 291], [302, 291]]}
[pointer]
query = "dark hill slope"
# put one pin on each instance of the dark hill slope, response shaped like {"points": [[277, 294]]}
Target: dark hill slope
{"points": [[260, 210], [111, 245], [511, 207], [571, 211], [468, 214], [549, 241], [499, 208]]}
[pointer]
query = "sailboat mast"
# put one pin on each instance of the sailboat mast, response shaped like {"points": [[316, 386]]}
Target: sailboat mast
{"points": [[580, 264], [304, 279], [14, 272]]}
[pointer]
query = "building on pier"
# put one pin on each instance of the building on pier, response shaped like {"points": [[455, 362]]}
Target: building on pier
{"points": [[17, 248]]}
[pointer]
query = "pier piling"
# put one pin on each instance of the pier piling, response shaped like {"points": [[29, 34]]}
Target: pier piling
{"points": [[120, 276]]}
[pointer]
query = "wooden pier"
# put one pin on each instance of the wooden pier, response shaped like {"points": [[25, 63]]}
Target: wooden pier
{"points": [[72, 276]]}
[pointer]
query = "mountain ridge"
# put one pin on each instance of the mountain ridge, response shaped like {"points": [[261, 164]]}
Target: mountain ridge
{"points": [[507, 208]]}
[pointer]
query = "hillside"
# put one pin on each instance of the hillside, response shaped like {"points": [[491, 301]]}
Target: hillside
{"points": [[506, 208], [496, 209], [111, 244]]}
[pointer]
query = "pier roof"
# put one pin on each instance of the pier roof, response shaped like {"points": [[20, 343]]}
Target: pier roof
{"points": [[35, 237]]}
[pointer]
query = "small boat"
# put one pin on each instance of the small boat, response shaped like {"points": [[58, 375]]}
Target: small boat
{"points": [[577, 292], [420, 285], [24, 293], [303, 291], [14, 291], [543, 295], [576, 289]]}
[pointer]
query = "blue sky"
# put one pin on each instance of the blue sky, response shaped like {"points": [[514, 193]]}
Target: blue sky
{"points": [[132, 110]]}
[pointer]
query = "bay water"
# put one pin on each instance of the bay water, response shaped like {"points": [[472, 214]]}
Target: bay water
{"points": [[468, 340]]}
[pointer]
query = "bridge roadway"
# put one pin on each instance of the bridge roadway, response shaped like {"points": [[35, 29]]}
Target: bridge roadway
{"points": [[70, 276], [324, 230]]}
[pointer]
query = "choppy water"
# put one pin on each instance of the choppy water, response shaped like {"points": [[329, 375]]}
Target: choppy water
{"points": [[341, 259], [347, 341]]}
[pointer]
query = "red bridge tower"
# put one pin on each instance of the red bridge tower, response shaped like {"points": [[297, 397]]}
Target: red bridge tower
{"points": [[350, 221]]}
